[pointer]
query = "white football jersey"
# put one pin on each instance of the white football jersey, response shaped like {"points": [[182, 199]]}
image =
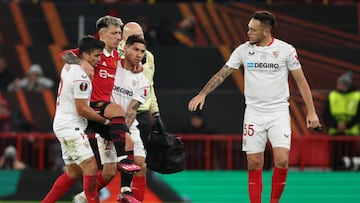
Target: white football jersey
{"points": [[128, 86], [74, 84], [266, 72]]}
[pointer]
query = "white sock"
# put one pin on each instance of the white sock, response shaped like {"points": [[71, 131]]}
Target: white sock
{"points": [[81, 195], [125, 189], [356, 162], [347, 161]]}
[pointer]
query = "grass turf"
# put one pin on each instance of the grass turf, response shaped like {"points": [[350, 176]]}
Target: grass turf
{"points": [[301, 187], [231, 187]]}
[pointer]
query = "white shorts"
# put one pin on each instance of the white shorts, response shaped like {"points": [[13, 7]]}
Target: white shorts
{"points": [[75, 148], [259, 127], [107, 149], [139, 149]]}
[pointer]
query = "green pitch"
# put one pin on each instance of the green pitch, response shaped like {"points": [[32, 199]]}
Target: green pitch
{"points": [[301, 187], [231, 187]]}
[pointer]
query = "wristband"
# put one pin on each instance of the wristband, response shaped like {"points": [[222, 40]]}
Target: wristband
{"points": [[156, 114], [107, 122]]}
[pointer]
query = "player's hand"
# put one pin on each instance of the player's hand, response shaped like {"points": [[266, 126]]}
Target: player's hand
{"points": [[158, 125], [312, 121], [89, 70], [197, 101], [138, 68]]}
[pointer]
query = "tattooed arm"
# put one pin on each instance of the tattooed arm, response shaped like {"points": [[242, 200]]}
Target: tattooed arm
{"points": [[211, 85], [130, 113], [216, 80], [70, 58]]}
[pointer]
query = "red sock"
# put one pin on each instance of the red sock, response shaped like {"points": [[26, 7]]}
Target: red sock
{"points": [[62, 184], [139, 187], [100, 182], [278, 183], [90, 189], [255, 185]]}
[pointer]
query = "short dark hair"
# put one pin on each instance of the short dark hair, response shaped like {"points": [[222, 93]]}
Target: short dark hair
{"points": [[265, 18], [135, 39], [89, 43]]}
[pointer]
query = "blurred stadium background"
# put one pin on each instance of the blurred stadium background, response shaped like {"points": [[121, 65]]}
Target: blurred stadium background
{"points": [[326, 34]]}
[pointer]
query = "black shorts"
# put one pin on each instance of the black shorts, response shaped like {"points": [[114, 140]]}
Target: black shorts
{"points": [[96, 127], [99, 106]]}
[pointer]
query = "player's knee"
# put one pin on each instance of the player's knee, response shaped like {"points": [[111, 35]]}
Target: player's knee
{"points": [[109, 175], [254, 164], [142, 172], [143, 166], [109, 171], [91, 170], [114, 110], [74, 174], [281, 162], [89, 166], [129, 143], [140, 161], [281, 158]]}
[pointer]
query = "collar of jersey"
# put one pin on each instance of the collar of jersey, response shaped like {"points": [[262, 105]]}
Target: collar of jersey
{"points": [[107, 54]]}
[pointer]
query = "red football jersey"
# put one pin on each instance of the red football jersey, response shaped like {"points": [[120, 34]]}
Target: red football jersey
{"points": [[104, 75]]}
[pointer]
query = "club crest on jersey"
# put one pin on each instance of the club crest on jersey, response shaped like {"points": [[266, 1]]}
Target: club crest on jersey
{"points": [[276, 54], [83, 86]]}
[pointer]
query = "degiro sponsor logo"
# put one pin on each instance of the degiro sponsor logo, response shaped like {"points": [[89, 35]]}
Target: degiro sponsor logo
{"points": [[251, 65], [122, 90]]}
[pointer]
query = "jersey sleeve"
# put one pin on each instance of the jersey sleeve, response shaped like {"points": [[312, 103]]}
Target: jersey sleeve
{"points": [[149, 67], [235, 60], [292, 60], [81, 84], [143, 89]]}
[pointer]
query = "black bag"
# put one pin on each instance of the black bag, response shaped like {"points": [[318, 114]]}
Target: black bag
{"points": [[165, 153]]}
